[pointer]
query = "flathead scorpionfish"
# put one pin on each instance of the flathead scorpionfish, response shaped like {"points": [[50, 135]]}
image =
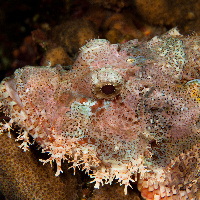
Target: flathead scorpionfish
{"points": [[121, 110]]}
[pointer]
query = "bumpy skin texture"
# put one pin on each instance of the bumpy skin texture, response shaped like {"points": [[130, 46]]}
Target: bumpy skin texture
{"points": [[121, 110]]}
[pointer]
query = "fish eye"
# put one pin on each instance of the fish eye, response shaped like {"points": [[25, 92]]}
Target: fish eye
{"points": [[108, 89], [106, 83]]}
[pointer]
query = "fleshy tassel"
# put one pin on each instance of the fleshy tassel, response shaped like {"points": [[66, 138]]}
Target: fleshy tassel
{"points": [[23, 177]]}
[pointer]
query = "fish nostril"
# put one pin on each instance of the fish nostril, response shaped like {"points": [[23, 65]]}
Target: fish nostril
{"points": [[108, 89]]}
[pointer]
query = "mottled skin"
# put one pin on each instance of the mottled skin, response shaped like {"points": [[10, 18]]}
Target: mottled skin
{"points": [[120, 110]]}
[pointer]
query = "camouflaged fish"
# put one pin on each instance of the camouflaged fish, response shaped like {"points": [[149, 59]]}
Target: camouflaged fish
{"points": [[121, 110]]}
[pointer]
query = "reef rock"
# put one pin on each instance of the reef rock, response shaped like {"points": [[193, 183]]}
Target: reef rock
{"points": [[121, 111]]}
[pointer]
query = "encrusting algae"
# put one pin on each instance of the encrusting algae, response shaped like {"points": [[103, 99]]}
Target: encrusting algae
{"points": [[122, 109]]}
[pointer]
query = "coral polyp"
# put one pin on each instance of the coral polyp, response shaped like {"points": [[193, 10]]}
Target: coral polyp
{"points": [[121, 110]]}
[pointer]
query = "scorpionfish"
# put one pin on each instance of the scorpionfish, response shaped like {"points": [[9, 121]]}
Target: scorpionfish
{"points": [[128, 111]]}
